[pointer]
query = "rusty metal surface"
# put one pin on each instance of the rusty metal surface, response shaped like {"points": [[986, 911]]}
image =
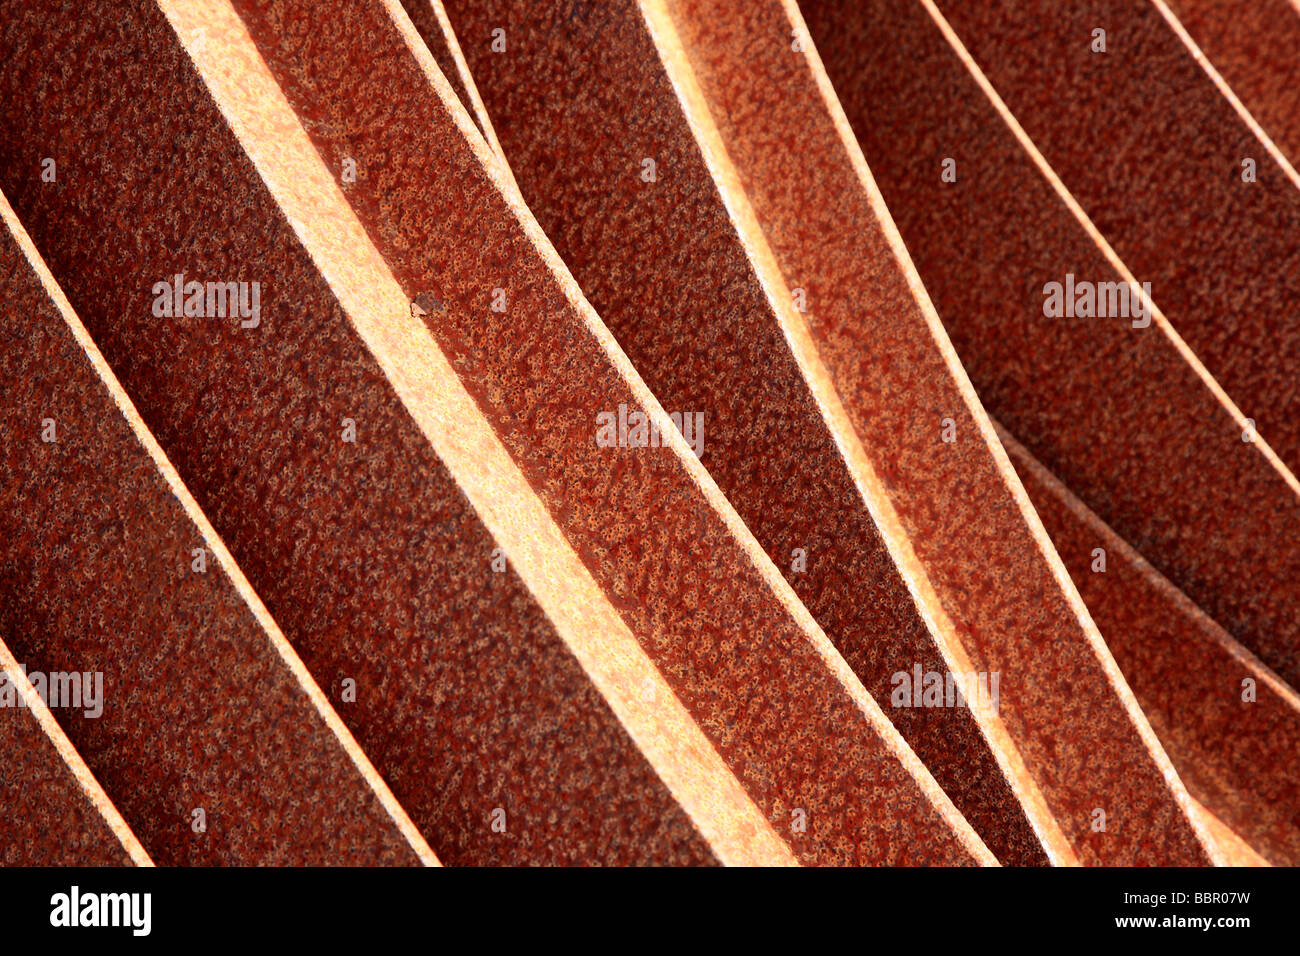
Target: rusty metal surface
{"points": [[1236, 851], [505, 641], [368, 554], [183, 703], [429, 18], [47, 816], [979, 542], [579, 104], [1234, 743], [434, 27], [1168, 192], [531, 543], [1255, 46], [659, 261], [710, 610], [1121, 414]]}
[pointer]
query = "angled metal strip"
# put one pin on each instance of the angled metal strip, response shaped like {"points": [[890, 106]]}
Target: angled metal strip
{"points": [[1118, 406], [53, 812], [983, 549], [494, 486], [1248, 50], [683, 288], [430, 19], [406, 607], [1230, 725], [120, 595], [733, 642]]}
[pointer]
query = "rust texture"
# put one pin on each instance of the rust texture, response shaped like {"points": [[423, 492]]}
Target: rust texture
{"points": [[430, 19], [1153, 152], [1234, 744], [192, 708], [742, 656], [366, 554], [895, 369], [581, 105], [1119, 413], [1236, 851], [1252, 44], [46, 818], [401, 511]]}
